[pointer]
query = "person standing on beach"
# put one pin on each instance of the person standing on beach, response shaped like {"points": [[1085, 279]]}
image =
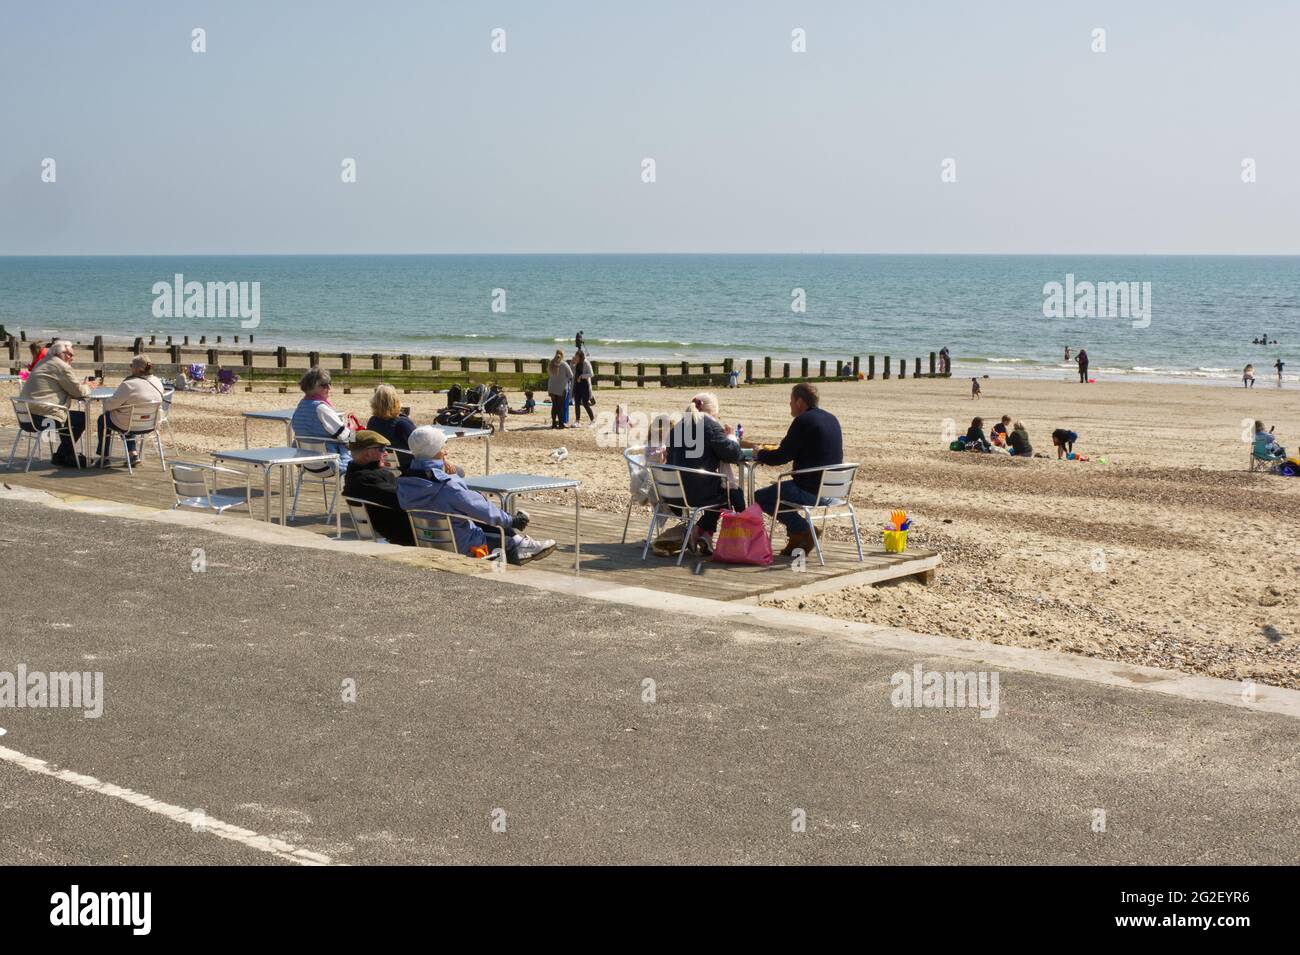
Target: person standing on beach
{"points": [[1067, 353], [558, 384], [578, 343], [1279, 365], [581, 388], [1248, 377], [1082, 359], [974, 389], [943, 361]]}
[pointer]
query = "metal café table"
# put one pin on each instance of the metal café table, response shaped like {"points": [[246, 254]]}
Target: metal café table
{"points": [[283, 415], [283, 458], [99, 394], [509, 486], [485, 433]]}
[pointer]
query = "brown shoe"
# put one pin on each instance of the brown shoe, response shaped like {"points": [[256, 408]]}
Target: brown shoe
{"points": [[803, 541]]}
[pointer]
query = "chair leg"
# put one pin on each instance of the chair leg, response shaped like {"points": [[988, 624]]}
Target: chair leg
{"points": [[14, 449], [857, 538], [649, 535], [817, 544], [293, 511], [157, 443], [627, 520], [686, 538]]}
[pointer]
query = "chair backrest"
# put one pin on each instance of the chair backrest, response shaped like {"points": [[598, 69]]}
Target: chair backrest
{"points": [[667, 484], [361, 518], [433, 529], [24, 415], [640, 482], [190, 481], [227, 377], [317, 446], [837, 481], [196, 372], [143, 418]]}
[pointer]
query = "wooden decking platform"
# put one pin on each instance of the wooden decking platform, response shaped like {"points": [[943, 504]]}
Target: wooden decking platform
{"points": [[604, 557]]}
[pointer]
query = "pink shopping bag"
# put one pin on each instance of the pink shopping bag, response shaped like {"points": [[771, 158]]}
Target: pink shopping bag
{"points": [[742, 538]]}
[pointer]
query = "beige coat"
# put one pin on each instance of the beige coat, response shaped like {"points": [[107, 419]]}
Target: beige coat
{"points": [[134, 391], [51, 387]]}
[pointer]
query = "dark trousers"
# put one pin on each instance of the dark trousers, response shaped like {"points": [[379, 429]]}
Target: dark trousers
{"points": [[791, 493], [557, 410], [582, 399], [132, 442], [66, 448], [1083, 374]]}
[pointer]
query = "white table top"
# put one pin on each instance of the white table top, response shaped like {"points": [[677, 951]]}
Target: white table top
{"points": [[519, 483], [279, 414], [271, 456], [452, 431]]}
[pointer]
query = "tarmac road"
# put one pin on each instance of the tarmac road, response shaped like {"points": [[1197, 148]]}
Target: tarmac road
{"points": [[224, 693]]}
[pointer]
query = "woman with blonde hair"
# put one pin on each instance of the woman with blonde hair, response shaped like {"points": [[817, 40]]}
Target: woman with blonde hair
{"points": [[558, 385], [700, 442], [386, 418]]}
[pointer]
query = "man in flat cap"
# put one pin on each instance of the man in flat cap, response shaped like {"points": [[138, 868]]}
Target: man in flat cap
{"points": [[368, 480]]}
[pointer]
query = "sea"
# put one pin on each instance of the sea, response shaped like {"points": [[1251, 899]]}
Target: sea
{"points": [[1201, 318]]}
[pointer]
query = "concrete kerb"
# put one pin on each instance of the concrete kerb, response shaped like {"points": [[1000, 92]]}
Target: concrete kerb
{"points": [[787, 624]]}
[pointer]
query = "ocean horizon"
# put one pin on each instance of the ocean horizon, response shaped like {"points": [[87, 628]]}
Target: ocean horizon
{"points": [[1190, 317]]}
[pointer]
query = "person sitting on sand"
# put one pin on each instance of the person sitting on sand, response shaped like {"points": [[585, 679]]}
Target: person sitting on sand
{"points": [[813, 441], [1064, 440], [975, 440], [1265, 446], [386, 419], [367, 480], [700, 442], [999, 433], [1018, 441], [435, 484]]}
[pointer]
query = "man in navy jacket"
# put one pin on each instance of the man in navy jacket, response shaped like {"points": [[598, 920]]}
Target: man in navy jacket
{"points": [[813, 441]]}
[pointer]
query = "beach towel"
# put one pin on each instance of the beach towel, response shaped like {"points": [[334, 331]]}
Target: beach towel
{"points": [[742, 538]]}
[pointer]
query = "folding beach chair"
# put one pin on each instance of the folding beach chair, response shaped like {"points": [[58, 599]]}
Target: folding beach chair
{"points": [[833, 501], [226, 381]]}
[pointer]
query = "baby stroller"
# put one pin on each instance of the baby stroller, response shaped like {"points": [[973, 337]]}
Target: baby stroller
{"points": [[467, 409]]}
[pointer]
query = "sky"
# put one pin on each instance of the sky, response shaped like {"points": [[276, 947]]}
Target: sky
{"points": [[757, 148]]}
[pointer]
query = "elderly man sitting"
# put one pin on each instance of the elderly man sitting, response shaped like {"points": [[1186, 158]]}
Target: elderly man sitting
{"points": [[367, 480], [137, 391], [51, 387], [434, 484]]}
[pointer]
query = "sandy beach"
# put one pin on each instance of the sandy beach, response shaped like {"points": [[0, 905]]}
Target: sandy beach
{"points": [[1169, 554]]}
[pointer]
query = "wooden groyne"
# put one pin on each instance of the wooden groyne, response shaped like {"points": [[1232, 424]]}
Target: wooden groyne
{"points": [[281, 367]]}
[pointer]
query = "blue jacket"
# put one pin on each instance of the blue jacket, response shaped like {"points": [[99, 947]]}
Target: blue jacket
{"points": [[430, 488]]}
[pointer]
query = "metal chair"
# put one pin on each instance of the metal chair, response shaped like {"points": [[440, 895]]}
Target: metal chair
{"points": [[143, 420], [833, 501], [361, 518], [326, 473], [435, 529], [641, 486], [28, 430], [165, 414], [671, 499], [193, 484]]}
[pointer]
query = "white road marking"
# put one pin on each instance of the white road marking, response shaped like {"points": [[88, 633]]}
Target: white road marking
{"points": [[245, 837]]}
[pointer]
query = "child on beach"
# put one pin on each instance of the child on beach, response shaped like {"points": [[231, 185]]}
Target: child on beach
{"points": [[999, 433], [974, 389], [1064, 440], [1248, 377]]}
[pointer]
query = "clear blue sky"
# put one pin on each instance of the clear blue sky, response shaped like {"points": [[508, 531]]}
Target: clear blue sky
{"points": [[1058, 149]]}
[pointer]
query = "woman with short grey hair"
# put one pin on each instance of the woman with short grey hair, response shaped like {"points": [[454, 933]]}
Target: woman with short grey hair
{"points": [[138, 391]]}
